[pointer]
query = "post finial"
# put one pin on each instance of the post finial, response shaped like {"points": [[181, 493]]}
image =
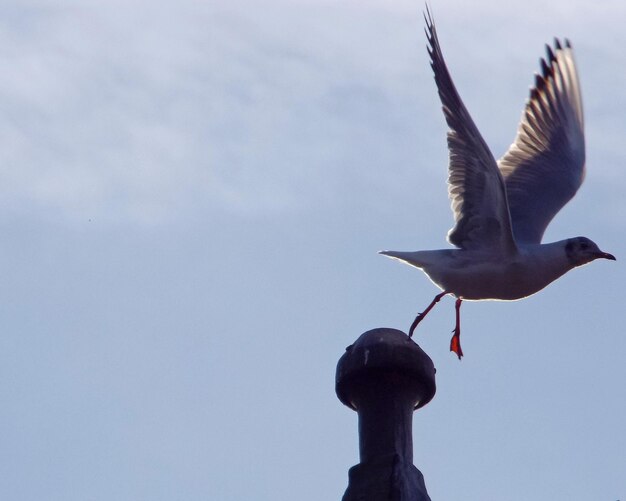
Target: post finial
{"points": [[384, 376]]}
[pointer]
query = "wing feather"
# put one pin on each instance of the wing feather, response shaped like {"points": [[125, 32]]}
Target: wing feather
{"points": [[475, 184], [545, 165]]}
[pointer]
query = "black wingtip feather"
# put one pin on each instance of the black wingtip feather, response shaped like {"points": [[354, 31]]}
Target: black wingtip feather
{"points": [[428, 17], [534, 93], [539, 81], [547, 66]]}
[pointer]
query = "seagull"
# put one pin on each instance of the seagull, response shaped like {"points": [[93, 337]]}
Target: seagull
{"points": [[502, 208]]}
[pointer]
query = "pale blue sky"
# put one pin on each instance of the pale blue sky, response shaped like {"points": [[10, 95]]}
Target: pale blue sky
{"points": [[192, 196]]}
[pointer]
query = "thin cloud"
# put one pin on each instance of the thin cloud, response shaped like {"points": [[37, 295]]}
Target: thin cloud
{"points": [[130, 113]]}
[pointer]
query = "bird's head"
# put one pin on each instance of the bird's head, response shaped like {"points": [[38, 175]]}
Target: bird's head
{"points": [[581, 250]]}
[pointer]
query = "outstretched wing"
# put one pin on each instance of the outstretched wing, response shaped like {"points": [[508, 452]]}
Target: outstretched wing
{"points": [[475, 185], [545, 165]]}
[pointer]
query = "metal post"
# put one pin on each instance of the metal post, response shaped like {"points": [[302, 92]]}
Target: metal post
{"points": [[385, 376]]}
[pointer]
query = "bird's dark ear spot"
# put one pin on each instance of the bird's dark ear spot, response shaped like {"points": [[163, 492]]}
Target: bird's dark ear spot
{"points": [[570, 251]]}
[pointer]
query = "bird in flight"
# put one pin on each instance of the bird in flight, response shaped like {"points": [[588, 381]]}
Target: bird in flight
{"points": [[502, 208]]}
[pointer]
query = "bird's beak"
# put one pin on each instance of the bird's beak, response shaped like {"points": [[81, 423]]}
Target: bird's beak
{"points": [[606, 255]]}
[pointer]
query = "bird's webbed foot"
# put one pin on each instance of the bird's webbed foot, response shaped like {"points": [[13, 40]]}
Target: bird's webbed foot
{"points": [[455, 342]]}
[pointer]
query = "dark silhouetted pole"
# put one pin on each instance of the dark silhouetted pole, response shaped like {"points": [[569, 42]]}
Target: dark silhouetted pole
{"points": [[385, 376]]}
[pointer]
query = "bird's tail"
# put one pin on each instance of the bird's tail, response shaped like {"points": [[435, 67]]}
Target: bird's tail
{"points": [[412, 258]]}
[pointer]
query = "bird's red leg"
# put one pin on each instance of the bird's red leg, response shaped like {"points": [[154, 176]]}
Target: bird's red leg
{"points": [[455, 342], [420, 316]]}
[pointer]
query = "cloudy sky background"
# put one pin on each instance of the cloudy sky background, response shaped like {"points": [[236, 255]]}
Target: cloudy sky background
{"points": [[192, 196]]}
